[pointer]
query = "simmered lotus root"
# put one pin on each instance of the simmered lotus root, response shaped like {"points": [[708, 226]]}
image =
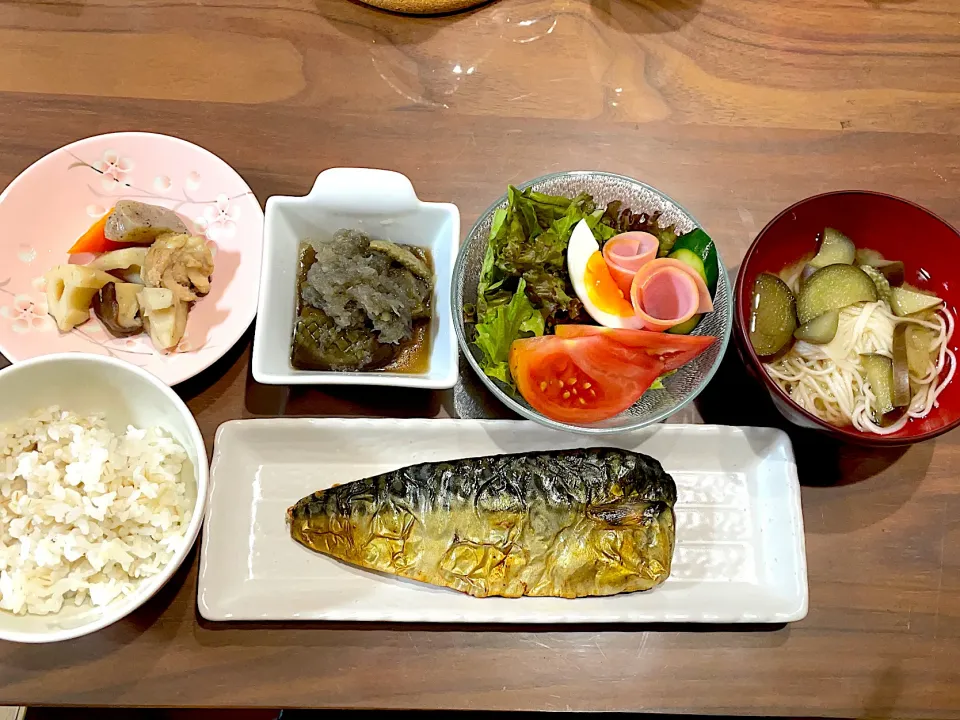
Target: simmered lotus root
{"points": [[127, 262], [70, 290]]}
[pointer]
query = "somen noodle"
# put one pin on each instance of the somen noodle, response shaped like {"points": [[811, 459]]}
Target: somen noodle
{"points": [[830, 380]]}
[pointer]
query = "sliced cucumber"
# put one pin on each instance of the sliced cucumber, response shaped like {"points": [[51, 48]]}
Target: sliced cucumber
{"points": [[821, 330], [807, 271], [879, 369], [773, 316], [866, 256], [901, 367], [892, 270], [906, 300], [687, 327], [700, 244], [919, 341], [881, 282], [690, 258], [832, 288], [835, 249]]}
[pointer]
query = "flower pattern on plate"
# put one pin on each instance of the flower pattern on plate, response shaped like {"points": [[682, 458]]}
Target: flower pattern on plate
{"points": [[220, 219], [87, 178], [27, 314], [114, 169]]}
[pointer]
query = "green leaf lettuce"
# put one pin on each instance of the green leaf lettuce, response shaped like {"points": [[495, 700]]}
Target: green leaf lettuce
{"points": [[500, 326]]}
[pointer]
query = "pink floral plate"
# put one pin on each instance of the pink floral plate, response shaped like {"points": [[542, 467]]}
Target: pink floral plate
{"points": [[51, 203]]}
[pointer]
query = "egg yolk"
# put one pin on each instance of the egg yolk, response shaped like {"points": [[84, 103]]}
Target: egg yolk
{"points": [[602, 291]]}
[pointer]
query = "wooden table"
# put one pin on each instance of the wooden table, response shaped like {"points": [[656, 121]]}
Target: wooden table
{"points": [[736, 107]]}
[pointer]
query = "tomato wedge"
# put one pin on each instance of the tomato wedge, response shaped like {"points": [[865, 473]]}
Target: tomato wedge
{"points": [[580, 380], [673, 350]]}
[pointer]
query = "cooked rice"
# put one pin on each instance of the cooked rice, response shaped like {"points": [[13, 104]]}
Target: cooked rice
{"points": [[85, 514]]}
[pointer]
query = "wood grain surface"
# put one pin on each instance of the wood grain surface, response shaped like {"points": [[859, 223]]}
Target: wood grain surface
{"points": [[735, 107]]}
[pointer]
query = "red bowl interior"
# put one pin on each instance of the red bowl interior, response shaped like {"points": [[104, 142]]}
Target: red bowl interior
{"points": [[928, 246]]}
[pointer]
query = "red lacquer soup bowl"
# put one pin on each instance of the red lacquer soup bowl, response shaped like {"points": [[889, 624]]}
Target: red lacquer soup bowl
{"points": [[929, 248]]}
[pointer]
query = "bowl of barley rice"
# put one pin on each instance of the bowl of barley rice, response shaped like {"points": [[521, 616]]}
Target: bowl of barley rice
{"points": [[103, 478]]}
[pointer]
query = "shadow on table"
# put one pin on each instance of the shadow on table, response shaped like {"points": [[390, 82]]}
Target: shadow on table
{"points": [[25, 660], [222, 369], [333, 401], [161, 714], [733, 397], [886, 692], [470, 398], [362, 401], [293, 633], [438, 17], [339, 401]]}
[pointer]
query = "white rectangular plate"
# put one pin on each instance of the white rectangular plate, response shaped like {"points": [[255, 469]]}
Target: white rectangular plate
{"points": [[739, 555]]}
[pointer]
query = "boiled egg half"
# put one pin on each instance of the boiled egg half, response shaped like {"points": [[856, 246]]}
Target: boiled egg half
{"points": [[662, 293], [591, 279]]}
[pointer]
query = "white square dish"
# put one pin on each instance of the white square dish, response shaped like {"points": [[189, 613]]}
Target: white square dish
{"points": [[381, 204], [739, 554]]}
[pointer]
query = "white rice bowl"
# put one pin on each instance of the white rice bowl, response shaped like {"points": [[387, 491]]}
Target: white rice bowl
{"points": [[85, 514]]}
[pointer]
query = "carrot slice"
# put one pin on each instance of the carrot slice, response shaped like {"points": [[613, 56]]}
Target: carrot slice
{"points": [[94, 241]]}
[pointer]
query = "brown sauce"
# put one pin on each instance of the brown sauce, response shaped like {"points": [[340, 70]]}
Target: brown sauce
{"points": [[413, 357]]}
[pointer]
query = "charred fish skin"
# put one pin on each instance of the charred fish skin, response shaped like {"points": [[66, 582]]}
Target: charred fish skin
{"points": [[567, 523]]}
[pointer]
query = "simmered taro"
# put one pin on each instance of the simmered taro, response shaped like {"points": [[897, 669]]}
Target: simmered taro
{"points": [[137, 222], [360, 301]]}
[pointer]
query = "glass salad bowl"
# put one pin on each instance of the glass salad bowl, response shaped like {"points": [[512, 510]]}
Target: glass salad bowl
{"points": [[655, 405]]}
